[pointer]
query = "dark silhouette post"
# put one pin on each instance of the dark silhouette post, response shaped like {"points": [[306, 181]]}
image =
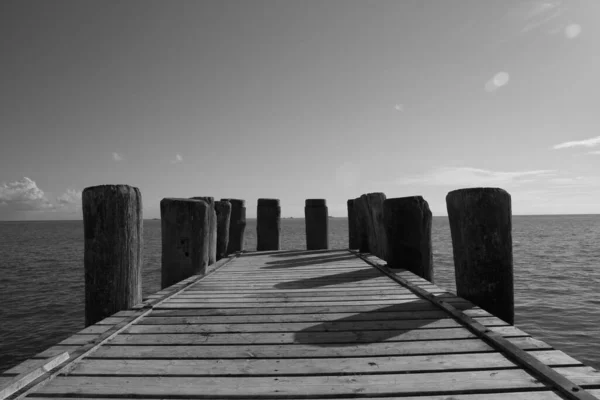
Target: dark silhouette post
{"points": [[377, 236], [316, 219], [408, 232], [481, 229], [113, 245], [223, 211], [268, 224], [353, 238], [237, 225], [362, 224], [185, 225], [212, 230]]}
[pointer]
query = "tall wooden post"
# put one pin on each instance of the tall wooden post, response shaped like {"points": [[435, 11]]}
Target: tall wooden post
{"points": [[212, 230], [268, 224], [237, 225], [223, 210], [185, 225], [353, 239], [113, 230], [408, 232], [376, 229], [362, 224], [481, 229], [316, 219]]}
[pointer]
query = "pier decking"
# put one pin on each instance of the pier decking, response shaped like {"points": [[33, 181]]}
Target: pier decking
{"points": [[302, 324]]}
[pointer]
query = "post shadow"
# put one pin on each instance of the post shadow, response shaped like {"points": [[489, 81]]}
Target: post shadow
{"points": [[331, 280], [360, 328], [281, 264], [285, 253]]}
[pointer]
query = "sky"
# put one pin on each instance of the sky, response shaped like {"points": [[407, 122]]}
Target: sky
{"points": [[299, 99]]}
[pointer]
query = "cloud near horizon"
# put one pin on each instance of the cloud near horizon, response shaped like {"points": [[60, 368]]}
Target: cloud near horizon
{"points": [[472, 177], [23, 195], [71, 196], [591, 142]]}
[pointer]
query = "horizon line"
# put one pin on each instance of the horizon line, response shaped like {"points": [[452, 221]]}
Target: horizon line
{"points": [[158, 219]]}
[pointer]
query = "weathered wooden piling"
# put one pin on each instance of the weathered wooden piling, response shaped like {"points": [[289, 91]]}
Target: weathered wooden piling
{"points": [[268, 224], [316, 219], [237, 225], [223, 211], [481, 229], [185, 225], [376, 229], [362, 224], [212, 230], [113, 244], [353, 239], [407, 223]]}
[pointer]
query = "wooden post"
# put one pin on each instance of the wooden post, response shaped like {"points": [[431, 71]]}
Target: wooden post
{"points": [[268, 224], [113, 245], [408, 232], [316, 219], [481, 229], [212, 230], [237, 225], [353, 239], [223, 210], [362, 225], [185, 225], [377, 236]]}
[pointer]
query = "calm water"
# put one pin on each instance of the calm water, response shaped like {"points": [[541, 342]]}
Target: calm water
{"points": [[557, 276]]}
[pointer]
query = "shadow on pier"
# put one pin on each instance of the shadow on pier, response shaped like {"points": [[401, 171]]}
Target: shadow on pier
{"points": [[327, 280], [398, 321]]}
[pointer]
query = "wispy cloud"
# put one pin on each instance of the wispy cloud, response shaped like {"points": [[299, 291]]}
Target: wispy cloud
{"points": [[23, 195], [399, 107], [177, 160], [117, 156], [539, 13], [470, 177], [591, 142]]}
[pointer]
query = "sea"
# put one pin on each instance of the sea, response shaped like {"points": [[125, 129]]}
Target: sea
{"points": [[556, 267]]}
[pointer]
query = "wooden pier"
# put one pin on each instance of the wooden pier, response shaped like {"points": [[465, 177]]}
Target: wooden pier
{"points": [[300, 324]]}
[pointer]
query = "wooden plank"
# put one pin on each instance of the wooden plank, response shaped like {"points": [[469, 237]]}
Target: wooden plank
{"points": [[408, 305], [254, 319], [357, 290], [528, 395], [287, 293], [328, 326], [307, 337], [175, 304], [582, 375], [56, 350], [28, 375], [384, 384], [310, 366], [111, 321], [290, 298], [307, 350], [291, 286]]}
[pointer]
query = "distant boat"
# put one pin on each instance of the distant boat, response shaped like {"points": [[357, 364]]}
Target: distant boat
{"points": [[155, 219]]}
